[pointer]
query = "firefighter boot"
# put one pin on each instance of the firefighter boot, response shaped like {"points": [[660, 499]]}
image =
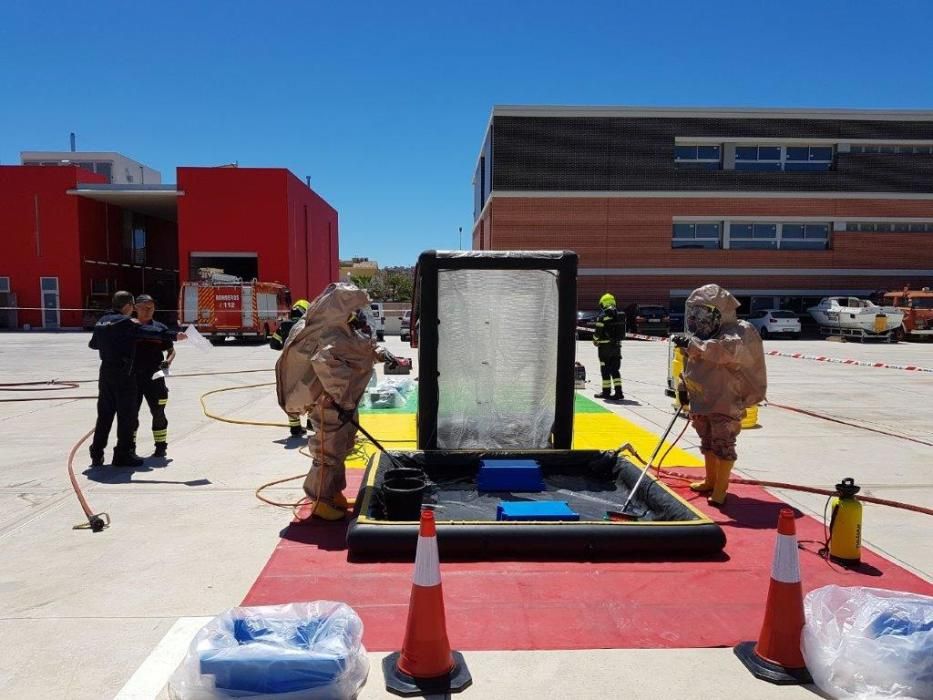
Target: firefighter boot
{"points": [[161, 449], [297, 431], [709, 483], [130, 459], [97, 459], [604, 394], [718, 496], [618, 395]]}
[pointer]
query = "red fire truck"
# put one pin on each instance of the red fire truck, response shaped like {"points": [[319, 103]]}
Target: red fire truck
{"points": [[222, 306]]}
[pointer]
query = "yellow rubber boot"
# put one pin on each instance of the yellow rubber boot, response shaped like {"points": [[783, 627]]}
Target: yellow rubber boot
{"points": [[341, 501], [718, 496], [709, 483], [325, 511]]}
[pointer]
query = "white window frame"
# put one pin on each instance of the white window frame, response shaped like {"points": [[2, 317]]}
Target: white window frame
{"points": [[42, 292], [898, 149], [782, 159], [719, 239], [718, 160], [897, 226], [778, 236]]}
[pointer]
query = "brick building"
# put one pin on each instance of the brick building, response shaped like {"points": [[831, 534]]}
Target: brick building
{"points": [[780, 206]]}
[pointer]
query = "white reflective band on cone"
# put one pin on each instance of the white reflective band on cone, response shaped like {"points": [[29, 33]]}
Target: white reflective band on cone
{"points": [[786, 567], [427, 563]]}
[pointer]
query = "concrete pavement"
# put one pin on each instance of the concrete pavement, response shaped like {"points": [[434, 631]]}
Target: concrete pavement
{"points": [[84, 611]]}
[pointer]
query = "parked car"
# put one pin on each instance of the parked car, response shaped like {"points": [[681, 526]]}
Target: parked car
{"points": [[652, 319], [378, 320], [775, 322], [586, 324], [405, 318]]}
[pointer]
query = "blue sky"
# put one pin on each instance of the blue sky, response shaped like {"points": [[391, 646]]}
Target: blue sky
{"points": [[384, 104]]}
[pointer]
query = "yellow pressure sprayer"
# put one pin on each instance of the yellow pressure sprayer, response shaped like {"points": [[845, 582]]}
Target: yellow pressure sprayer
{"points": [[845, 524]]}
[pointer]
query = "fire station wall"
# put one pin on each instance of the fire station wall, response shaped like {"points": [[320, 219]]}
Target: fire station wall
{"points": [[40, 224], [313, 241], [235, 210], [636, 232]]}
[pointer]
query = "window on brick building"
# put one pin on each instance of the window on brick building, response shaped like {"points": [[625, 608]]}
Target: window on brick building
{"points": [[698, 157], [778, 236], [890, 226], [771, 158], [697, 235], [890, 149]]}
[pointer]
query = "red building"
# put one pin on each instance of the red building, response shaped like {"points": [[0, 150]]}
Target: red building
{"points": [[71, 239]]}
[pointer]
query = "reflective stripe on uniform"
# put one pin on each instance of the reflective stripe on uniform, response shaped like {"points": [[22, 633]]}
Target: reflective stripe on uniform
{"points": [[294, 421], [162, 402], [276, 336], [160, 435]]}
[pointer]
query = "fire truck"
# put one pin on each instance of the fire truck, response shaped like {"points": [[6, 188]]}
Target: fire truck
{"points": [[917, 306], [222, 306]]}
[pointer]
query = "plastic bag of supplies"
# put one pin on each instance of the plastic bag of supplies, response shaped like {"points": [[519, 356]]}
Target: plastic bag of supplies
{"points": [[298, 651], [869, 642]]}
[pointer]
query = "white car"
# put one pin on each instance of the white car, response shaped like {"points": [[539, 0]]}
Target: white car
{"points": [[775, 322]]}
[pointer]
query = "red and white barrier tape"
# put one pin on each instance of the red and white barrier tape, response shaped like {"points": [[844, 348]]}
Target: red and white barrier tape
{"points": [[816, 358], [838, 361]]}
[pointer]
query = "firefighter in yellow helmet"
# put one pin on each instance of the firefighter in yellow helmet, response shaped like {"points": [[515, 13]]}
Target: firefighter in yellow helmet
{"points": [[724, 374], [277, 342], [324, 370], [607, 337]]}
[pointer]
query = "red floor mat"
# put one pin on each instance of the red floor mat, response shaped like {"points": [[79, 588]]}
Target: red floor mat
{"points": [[561, 605]]}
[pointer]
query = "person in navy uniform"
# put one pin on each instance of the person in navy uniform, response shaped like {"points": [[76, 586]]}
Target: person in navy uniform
{"points": [[116, 336], [151, 358]]}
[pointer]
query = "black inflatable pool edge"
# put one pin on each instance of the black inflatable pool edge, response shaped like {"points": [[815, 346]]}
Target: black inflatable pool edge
{"points": [[549, 541]]}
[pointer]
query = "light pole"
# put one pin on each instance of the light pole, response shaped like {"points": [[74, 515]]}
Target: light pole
{"points": [[460, 239]]}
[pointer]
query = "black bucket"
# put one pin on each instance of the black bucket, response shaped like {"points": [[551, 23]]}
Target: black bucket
{"points": [[402, 497], [403, 473]]}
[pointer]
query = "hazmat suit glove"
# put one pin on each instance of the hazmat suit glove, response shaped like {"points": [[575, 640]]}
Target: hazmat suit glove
{"points": [[681, 341]]}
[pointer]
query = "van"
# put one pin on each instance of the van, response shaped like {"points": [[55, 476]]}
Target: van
{"points": [[378, 319]]}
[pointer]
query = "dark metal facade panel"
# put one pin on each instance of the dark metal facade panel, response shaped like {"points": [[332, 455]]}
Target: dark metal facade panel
{"points": [[615, 154]]}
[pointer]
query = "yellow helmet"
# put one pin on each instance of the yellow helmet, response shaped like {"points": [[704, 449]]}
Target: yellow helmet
{"points": [[300, 307], [607, 300]]}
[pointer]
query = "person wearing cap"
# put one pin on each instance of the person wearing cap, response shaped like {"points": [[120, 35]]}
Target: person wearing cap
{"points": [[607, 337], [116, 337], [277, 341], [154, 356]]}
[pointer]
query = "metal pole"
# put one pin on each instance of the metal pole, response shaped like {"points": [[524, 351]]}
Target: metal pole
{"points": [[460, 239]]}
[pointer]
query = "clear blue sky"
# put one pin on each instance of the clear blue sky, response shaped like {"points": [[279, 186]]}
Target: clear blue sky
{"points": [[384, 104]]}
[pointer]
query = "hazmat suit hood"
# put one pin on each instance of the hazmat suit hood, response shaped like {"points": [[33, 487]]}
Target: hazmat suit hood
{"points": [[722, 299], [724, 374], [324, 355]]}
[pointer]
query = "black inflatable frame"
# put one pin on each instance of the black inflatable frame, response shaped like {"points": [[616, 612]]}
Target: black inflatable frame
{"points": [[425, 319], [672, 527]]}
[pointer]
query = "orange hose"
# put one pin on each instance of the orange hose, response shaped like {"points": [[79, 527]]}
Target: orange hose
{"points": [[808, 489]]}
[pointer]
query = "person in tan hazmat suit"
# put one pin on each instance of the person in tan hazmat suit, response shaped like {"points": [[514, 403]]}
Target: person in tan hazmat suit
{"points": [[323, 371], [724, 374]]}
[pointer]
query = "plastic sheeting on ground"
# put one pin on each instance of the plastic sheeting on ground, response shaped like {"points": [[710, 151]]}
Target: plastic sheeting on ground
{"points": [[869, 642], [298, 651]]}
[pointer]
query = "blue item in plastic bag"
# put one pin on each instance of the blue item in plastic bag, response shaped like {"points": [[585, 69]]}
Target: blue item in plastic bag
{"points": [[300, 650]]}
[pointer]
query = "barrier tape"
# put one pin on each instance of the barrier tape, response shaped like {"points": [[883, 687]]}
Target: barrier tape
{"points": [[816, 358], [838, 361]]}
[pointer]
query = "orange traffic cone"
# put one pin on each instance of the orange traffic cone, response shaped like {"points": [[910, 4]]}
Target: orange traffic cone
{"points": [[777, 657], [426, 665]]}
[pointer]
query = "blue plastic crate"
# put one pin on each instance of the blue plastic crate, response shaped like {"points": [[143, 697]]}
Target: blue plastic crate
{"points": [[535, 510], [509, 475]]}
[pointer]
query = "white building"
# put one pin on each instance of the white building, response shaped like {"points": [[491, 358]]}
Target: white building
{"points": [[118, 168]]}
